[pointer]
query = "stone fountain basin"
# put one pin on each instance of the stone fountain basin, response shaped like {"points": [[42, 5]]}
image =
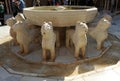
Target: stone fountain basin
{"points": [[60, 16]]}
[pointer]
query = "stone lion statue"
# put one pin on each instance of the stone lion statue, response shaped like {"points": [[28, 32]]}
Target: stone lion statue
{"points": [[24, 36], [48, 40], [10, 22], [79, 39], [100, 33]]}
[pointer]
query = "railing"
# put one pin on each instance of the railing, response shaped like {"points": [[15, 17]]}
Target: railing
{"points": [[109, 5]]}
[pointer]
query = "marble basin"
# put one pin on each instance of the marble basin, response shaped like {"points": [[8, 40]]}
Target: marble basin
{"points": [[60, 16]]}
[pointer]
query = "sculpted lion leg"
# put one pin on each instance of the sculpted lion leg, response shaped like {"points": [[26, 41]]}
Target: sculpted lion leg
{"points": [[83, 52], [57, 39], [102, 45], [67, 40], [52, 51], [21, 49], [99, 43], [71, 43], [44, 57], [26, 49], [77, 53], [15, 42]]}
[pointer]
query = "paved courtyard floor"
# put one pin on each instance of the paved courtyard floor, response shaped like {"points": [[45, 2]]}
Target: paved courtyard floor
{"points": [[111, 73]]}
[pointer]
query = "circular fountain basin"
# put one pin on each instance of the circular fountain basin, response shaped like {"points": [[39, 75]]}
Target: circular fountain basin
{"points": [[60, 16]]}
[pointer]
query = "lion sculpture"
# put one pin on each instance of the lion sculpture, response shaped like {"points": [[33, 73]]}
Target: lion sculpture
{"points": [[79, 39], [10, 22], [24, 36], [100, 33], [48, 41]]}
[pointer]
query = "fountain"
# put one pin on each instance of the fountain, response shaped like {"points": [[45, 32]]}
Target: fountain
{"points": [[54, 21]]}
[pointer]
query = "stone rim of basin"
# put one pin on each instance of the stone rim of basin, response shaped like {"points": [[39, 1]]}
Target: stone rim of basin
{"points": [[60, 17], [60, 8]]}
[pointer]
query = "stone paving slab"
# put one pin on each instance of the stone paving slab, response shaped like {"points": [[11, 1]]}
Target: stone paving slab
{"points": [[1, 79], [13, 78], [36, 79], [108, 75], [76, 79], [73, 78], [117, 68], [3, 73], [5, 76]]}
